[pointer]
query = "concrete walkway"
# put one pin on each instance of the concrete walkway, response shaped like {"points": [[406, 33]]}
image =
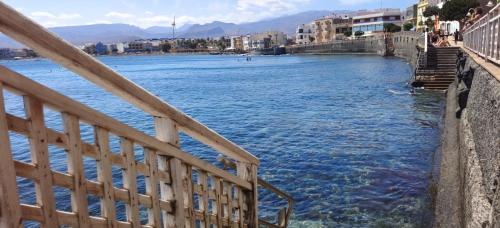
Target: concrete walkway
{"points": [[448, 206], [492, 68]]}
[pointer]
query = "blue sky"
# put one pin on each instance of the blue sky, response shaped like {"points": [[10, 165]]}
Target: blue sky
{"points": [[146, 13]]}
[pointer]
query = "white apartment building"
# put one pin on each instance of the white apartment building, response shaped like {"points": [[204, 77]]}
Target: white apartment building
{"points": [[374, 21], [305, 33]]}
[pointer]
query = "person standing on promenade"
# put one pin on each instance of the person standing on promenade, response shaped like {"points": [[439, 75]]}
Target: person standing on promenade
{"points": [[456, 34]]}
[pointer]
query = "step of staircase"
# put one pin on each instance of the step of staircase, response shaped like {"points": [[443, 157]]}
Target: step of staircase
{"points": [[440, 70]]}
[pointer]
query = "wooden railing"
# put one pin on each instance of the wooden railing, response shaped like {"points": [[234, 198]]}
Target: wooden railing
{"points": [[483, 37], [181, 189]]}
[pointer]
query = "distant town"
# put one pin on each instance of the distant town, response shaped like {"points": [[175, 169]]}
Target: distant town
{"points": [[330, 28]]}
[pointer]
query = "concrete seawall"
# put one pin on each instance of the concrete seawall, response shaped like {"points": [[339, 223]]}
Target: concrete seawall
{"points": [[467, 190], [468, 193], [375, 45]]}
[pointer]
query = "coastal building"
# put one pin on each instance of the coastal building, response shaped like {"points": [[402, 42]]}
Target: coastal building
{"points": [[332, 28], [236, 43], [101, 49], [246, 42], [411, 15], [371, 22], [305, 33], [421, 7], [6, 53], [89, 49], [120, 48], [267, 40], [140, 46], [117, 48], [448, 27]]}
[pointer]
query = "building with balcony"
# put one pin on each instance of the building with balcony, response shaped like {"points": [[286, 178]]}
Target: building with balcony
{"points": [[236, 43], [332, 28], [305, 33], [267, 40], [373, 21], [411, 15]]}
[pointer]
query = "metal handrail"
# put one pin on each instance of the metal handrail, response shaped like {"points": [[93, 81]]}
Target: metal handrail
{"points": [[481, 38]]}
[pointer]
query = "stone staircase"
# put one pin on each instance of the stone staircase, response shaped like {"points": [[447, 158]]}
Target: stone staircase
{"points": [[437, 68]]}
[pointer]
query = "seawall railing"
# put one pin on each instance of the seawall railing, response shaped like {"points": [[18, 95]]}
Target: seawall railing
{"points": [[483, 37], [181, 190]]}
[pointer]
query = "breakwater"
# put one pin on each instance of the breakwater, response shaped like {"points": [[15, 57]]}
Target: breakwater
{"points": [[370, 45]]}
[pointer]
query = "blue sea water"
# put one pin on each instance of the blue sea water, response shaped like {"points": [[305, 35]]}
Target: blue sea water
{"points": [[341, 134]]}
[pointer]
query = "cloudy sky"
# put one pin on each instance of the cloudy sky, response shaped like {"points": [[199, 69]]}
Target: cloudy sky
{"points": [[146, 13]]}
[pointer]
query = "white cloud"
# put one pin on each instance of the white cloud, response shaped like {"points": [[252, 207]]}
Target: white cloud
{"points": [[40, 14], [354, 2], [48, 19], [119, 15], [69, 16], [268, 5]]}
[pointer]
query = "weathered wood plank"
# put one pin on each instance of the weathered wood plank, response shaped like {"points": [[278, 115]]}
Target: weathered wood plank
{"points": [[10, 212], [151, 161], [218, 208], [243, 172], [130, 182], [104, 175], [177, 187], [187, 178], [254, 201], [40, 157], [229, 194], [166, 131], [26, 31], [79, 201], [203, 198], [16, 83]]}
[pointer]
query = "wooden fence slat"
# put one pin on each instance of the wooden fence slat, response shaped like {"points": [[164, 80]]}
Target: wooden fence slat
{"points": [[218, 208], [203, 199], [177, 186], [243, 172], [229, 194], [35, 36], [188, 194], [104, 175], [130, 181], [22, 85], [166, 131], [241, 214], [10, 212], [40, 157], [151, 161], [253, 203], [79, 201]]}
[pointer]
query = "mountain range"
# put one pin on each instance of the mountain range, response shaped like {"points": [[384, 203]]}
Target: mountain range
{"points": [[111, 33]]}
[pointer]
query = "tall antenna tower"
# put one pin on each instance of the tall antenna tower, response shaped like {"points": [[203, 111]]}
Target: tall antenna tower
{"points": [[173, 29]]}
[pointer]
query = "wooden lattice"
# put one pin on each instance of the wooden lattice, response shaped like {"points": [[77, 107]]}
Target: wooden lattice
{"points": [[181, 190]]}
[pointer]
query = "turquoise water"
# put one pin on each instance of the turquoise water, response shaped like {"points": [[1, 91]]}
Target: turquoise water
{"points": [[342, 134]]}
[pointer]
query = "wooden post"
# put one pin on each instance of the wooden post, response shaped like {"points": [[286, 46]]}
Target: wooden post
{"points": [[218, 209], [151, 161], [253, 202], [10, 212], [130, 182], [40, 157], [166, 131], [104, 175], [203, 199], [79, 202], [242, 171]]}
